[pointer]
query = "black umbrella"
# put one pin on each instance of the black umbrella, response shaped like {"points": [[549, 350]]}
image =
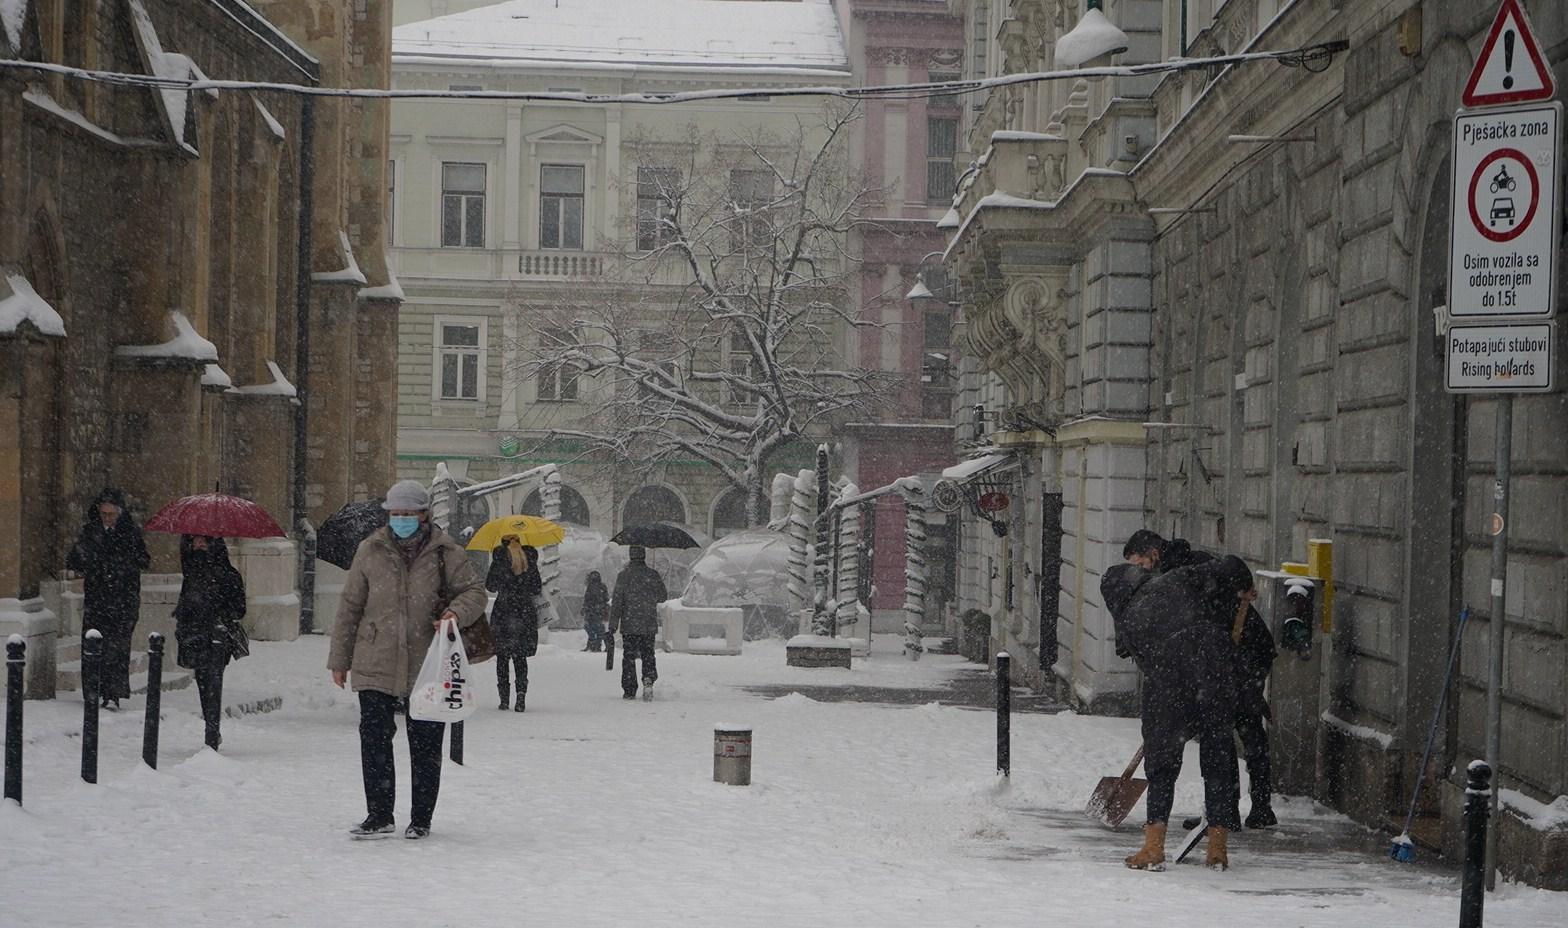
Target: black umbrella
{"points": [[339, 536], [655, 535]]}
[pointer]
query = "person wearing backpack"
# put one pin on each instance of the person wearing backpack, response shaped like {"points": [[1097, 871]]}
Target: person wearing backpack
{"points": [[394, 599]]}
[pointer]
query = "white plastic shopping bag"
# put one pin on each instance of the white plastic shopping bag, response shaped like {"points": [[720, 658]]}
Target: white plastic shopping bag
{"points": [[443, 691]]}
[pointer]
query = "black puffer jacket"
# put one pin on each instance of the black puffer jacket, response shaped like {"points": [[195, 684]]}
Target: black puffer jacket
{"points": [[211, 606], [515, 617], [111, 562]]}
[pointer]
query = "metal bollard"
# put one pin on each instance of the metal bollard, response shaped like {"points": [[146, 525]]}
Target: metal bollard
{"points": [[154, 699], [15, 663], [1472, 891], [732, 754], [92, 665], [1004, 712], [457, 742]]}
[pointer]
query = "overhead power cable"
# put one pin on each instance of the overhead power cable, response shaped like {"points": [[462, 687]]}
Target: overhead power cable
{"points": [[1313, 58]]}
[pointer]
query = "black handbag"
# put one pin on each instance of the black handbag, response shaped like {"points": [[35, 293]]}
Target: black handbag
{"points": [[239, 642], [478, 640]]}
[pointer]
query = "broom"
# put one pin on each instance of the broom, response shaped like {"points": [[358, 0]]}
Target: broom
{"points": [[1403, 849]]}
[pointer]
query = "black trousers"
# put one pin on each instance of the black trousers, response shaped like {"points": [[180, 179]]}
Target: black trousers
{"points": [[634, 648], [209, 688], [114, 673], [376, 728], [1190, 691], [504, 662], [1255, 751]]}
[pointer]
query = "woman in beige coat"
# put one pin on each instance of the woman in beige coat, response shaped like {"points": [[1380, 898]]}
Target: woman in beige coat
{"points": [[405, 579]]}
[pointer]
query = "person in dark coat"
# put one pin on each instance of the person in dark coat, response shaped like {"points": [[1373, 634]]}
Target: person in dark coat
{"points": [[110, 555], [1151, 552], [634, 612], [207, 621], [1255, 653], [514, 578], [1176, 627], [596, 611]]}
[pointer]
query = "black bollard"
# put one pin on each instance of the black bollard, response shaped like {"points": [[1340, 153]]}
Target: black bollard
{"points": [[457, 742], [1472, 886], [15, 663], [154, 699], [92, 665], [1004, 711]]}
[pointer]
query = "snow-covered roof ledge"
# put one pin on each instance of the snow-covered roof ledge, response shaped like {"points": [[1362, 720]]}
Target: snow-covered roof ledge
{"points": [[20, 303], [273, 126], [186, 345], [216, 377], [391, 291], [279, 386], [350, 274]]}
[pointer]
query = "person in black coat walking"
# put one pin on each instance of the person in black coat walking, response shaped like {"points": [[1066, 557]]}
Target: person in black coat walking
{"points": [[207, 621], [596, 611], [110, 555], [1255, 653], [514, 578], [634, 612], [1176, 627]]}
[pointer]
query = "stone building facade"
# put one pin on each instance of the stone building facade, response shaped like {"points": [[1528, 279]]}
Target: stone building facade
{"points": [[149, 245], [1238, 269]]}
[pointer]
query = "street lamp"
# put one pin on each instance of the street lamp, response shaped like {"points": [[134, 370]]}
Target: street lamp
{"points": [[1091, 42]]}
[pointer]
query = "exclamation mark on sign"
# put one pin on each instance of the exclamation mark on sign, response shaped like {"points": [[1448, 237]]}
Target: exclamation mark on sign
{"points": [[1508, 59]]}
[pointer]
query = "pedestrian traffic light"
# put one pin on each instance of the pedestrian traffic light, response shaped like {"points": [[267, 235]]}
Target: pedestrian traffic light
{"points": [[1295, 630]]}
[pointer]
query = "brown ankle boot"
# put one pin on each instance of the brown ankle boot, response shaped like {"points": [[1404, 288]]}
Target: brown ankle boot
{"points": [[1152, 855], [1218, 857]]}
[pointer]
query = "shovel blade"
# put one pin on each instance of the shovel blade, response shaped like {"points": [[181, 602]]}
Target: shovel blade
{"points": [[1114, 798]]}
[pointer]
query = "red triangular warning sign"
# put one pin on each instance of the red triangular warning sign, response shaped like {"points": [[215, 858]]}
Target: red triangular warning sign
{"points": [[1510, 68]]}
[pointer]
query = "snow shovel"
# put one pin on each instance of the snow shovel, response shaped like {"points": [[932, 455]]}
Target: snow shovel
{"points": [[1115, 796], [1194, 835]]}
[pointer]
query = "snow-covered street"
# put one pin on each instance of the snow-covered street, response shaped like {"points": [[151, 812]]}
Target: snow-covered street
{"points": [[590, 810]]}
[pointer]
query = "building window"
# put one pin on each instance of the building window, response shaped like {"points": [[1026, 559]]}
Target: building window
{"points": [[391, 199], [936, 366], [738, 359], [460, 358], [561, 206], [750, 193], [462, 205], [941, 148], [557, 383], [657, 195]]}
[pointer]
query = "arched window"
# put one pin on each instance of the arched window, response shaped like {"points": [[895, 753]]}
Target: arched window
{"points": [[729, 512], [574, 508], [652, 504]]}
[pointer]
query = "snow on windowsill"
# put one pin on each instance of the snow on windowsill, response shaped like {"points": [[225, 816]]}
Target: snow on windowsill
{"points": [[350, 274], [1016, 135], [186, 344], [20, 303], [279, 386], [1541, 816]]}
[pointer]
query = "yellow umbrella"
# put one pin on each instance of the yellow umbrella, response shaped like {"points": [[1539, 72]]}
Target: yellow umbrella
{"points": [[530, 530]]}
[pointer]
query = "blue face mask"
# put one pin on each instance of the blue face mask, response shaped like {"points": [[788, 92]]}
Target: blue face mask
{"points": [[403, 526]]}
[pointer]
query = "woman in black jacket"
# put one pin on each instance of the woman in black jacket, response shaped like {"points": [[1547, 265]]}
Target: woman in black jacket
{"points": [[514, 578], [207, 621], [596, 610], [110, 555]]}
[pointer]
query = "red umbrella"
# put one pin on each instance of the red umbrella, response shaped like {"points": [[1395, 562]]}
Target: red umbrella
{"points": [[215, 514]]}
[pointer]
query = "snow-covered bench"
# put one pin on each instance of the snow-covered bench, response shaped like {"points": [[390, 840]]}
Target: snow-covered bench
{"points": [[676, 619]]}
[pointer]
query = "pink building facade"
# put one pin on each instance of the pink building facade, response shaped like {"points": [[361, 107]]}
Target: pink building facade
{"points": [[905, 149]]}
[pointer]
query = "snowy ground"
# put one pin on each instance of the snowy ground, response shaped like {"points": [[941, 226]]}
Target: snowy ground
{"points": [[589, 810]]}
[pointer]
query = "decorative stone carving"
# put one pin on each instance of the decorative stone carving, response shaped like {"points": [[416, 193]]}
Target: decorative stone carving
{"points": [[886, 55]]}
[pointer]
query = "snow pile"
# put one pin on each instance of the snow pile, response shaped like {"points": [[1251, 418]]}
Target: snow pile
{"points": [[279, 386], [20, 303], [350, 274], [214, 376], [705, 34], [1093, 37], [1542, 816], [186, 344], [13, 13]]}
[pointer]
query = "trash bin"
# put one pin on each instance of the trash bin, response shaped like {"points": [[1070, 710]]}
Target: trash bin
{"points": [[732, 754]]}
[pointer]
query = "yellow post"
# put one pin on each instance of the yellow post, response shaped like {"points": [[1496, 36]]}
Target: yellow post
{"points": [[1320, 562]]}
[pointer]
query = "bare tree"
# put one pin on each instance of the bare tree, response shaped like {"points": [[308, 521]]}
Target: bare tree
{"points": [[724, 334]]}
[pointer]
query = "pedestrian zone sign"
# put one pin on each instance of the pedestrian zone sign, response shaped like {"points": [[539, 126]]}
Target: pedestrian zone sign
{"points": [[1504, 216], [1509, 357], [1510, 68]]}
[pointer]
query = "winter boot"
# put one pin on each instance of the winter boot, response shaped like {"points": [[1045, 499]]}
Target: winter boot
{"points": [[1261, 816], [519, 707], [415, 832], [1217, 857], [506, 693], [1152, 855], [371, 828]]}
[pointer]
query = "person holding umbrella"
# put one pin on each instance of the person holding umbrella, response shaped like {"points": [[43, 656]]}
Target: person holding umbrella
{"points": [[404, 581], [514, 578], [634, 607], [207, 621], [110, 555]]}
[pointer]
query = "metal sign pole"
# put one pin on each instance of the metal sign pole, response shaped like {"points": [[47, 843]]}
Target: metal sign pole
{"points": [[1494, 683]]}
